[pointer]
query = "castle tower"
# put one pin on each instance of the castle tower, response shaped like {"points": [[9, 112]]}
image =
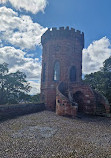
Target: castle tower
{"points": [[61, 61]]}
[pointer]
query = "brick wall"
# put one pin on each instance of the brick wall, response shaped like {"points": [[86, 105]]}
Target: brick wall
{"points": [[64, 106], [89, 100], [65, 46]]}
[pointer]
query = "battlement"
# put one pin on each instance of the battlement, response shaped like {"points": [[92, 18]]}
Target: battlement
{"points": [[62, 32]]}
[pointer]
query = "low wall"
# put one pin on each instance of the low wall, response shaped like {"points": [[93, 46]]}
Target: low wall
{"points": [[10, 111]]}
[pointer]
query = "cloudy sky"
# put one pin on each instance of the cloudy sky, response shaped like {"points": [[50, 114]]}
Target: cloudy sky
{"points": [[22, 22]]}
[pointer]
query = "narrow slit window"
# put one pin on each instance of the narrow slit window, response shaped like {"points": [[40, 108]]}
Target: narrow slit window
{"points": [[44, 69], [73, 74], [56, 76]]}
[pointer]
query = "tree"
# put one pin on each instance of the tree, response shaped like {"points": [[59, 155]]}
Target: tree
{"points": [[35, 98], [3, 72], [12, 85], [101, 80], [107, 65]]}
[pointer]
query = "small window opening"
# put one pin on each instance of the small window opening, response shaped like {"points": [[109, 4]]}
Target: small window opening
{"points": [[73, 74], [56, 76], [44, 69]]}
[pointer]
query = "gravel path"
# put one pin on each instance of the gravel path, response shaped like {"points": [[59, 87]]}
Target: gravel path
{"points": [[46, 135]]}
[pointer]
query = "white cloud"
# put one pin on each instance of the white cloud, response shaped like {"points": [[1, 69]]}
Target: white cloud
{"points": [[30, 55], [35, 87], [17, 61], [33, 6], [19, 31], [95, 55]]}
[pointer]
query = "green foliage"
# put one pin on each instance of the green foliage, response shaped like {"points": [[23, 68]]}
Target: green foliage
{"points": [[35, 98], [101, 80], [30, 98], [107, 65], [13, 86]]}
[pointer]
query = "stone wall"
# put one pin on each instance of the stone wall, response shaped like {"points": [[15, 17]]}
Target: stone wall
{"points": [[64, 107], [9, 111], [78, 97], [88, 104]]}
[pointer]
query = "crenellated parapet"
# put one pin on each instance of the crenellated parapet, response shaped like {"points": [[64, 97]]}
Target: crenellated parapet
{"points": [[61, 33]]}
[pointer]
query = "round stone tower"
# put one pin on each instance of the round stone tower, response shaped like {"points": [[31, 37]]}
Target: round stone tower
{"points": [[61, 61]]}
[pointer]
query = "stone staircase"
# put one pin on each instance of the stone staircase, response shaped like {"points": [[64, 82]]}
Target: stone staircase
{"points": [[64, 104], [93, 102]]}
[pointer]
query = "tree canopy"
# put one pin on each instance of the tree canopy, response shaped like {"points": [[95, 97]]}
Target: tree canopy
{"points": [[12, 85], [101, 80]]}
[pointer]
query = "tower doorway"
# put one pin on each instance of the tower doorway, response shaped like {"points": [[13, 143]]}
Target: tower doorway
{"points": [[78, 97]]}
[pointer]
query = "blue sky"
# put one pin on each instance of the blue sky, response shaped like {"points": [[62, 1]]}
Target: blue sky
{"points": [[24, 21], [90, 16]]}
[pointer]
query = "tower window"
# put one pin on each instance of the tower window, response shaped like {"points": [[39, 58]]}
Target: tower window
{"points": [[73, 74], [56, 76], [44, 69]]}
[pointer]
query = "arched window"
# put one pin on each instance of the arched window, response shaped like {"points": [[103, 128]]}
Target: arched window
{"points": [[44, 69], [73, 74], [56, 76]]}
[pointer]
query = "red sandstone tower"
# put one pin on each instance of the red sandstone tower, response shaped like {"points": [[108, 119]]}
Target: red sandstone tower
{"points": [[62, 63]]}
